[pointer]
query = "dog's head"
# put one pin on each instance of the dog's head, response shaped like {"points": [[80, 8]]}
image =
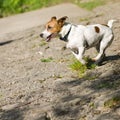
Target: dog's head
{"points": [[53, 27]]}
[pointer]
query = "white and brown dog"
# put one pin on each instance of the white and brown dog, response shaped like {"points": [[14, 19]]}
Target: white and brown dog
{"points": [[80, 37]]}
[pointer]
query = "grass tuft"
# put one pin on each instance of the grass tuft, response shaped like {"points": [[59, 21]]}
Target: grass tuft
{"points": [[90, 5], [47, 59], [80, 68], [84, 19], [43, 43], [77, 66], [113, 102], [90, 64]]}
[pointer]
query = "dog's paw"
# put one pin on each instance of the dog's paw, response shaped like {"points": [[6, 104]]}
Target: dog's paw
{"points": [[93, 59], [83, 62]]}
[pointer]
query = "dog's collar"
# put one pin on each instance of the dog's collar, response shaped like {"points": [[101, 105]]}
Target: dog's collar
{"points": [[65, 38]]}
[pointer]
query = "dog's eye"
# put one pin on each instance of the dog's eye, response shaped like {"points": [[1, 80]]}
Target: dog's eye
{"points": [[49, 27]]}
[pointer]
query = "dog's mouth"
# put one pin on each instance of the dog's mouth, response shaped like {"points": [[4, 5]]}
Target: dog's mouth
{"points": [[50, 37]]}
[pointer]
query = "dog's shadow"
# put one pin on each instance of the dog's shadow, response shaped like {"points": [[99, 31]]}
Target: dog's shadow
{"points": [[2, 43], [6, 42], [110, 58]]}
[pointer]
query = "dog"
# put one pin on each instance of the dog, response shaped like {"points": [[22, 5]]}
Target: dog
{"points": [[80, 37]]}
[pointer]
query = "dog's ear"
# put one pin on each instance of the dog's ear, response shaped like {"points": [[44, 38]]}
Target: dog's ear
{"points": [[53, 18], [62, 20]]}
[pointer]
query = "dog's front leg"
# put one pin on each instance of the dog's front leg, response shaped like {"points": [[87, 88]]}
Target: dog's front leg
{"points": [[78, 53]]}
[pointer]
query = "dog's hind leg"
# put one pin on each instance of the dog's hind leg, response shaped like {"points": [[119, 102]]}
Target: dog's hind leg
{"points": [[107, 40], [98, 47], [98, 51]]}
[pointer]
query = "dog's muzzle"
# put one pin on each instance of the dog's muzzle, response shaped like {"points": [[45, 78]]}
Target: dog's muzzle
{"points": [[48, 38]]}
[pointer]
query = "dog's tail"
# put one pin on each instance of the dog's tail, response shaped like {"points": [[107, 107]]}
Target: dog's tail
{"points": [[110, 23]]}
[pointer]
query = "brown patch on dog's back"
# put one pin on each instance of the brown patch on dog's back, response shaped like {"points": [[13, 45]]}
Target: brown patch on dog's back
{"points": [[97, 29]]}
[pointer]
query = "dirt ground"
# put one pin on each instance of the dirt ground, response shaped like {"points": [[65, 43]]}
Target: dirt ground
{"points": [[32, 89]]}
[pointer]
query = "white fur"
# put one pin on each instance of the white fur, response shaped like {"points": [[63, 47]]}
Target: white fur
{"points": [[80, 34], [46, 34], [84, 37], [110, 22]]}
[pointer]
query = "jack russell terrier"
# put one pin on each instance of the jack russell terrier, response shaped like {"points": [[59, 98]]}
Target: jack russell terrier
{"points": [[80, 37]]}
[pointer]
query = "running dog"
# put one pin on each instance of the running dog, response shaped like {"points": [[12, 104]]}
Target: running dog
{"points": [[80, 37]]}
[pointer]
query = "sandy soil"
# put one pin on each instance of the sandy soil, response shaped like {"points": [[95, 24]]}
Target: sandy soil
{"points": [[34, 90]]}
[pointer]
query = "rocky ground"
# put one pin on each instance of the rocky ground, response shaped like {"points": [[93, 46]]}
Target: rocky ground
{"points": [[36, 82]]}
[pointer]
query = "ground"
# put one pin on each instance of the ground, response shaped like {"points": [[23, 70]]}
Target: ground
{"points": [[36, 82]]}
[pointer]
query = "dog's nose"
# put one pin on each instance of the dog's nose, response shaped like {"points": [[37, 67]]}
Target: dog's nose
{"points": [[41, 35]]}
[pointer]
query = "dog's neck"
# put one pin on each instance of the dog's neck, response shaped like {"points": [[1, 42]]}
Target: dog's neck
{"points": [[65, 31]]}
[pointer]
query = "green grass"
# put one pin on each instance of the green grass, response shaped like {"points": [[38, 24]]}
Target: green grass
{"points": [[10, 7], [80, 68], [105, 85], [49, 59], [84, 19], [43, 43], [0, 95], [91, 4], [91, 76], [88, 18], [77, 66], [113, 102]]}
